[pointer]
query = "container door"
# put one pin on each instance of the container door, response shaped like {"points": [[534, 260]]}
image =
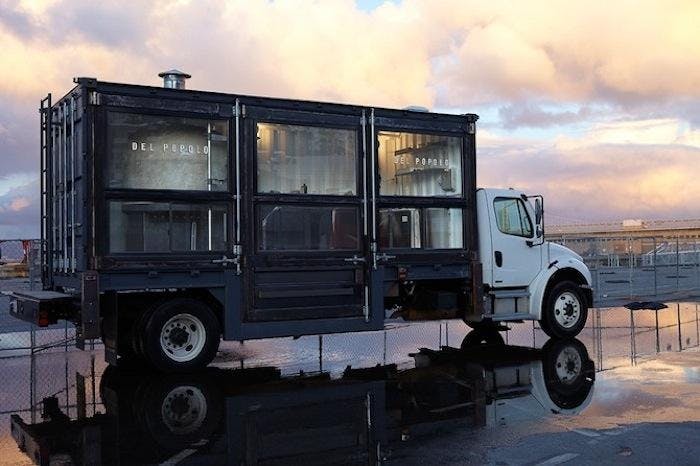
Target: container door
{"points": [[307, 267]]}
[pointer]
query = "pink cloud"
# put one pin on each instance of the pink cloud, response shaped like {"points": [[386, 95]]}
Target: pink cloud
{"points": [[19, 203]]}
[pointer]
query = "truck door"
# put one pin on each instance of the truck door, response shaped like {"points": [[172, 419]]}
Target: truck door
{"points": [[306, 259], [515, 262]]}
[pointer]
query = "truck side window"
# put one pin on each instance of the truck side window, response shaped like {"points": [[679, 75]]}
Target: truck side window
{"points": [[295, 159], [399, 228], [143, 226], [443, 228], [415, 164], [512, 217], [166, 152], [307, 228]]}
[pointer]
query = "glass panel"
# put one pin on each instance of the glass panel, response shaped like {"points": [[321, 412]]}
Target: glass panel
{"points": [[159, 152], [443, 228], [512, 217], [190, 227], [399, 228], [412, 164], [136, 226], [306, 160], [297, 228]]}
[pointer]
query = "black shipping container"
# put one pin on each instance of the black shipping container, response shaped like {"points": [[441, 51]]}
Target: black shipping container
{"points": [[284, 217]]}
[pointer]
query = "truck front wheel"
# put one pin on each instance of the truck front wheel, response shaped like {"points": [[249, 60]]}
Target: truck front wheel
{"points": [[565, 311], [181, 334]]}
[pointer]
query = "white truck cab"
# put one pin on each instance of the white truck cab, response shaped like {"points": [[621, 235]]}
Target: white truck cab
{"points": [[525, 276]]}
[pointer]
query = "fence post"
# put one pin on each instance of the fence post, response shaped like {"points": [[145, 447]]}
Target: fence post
{"points": [[697, 325], [656, 284], [384, 354], [32, 386], [678, 266], [658, 349], [678, 315], [697, 263], [633, 342], [629, 265]]}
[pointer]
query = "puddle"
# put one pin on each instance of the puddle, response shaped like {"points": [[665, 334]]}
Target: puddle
{"points": [[412, 394]]}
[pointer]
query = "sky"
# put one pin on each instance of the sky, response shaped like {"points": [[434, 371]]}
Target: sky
{"points": [[595, 105]]}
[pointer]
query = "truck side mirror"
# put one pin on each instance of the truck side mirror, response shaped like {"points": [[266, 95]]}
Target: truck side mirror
{"points": [[538, 211]]}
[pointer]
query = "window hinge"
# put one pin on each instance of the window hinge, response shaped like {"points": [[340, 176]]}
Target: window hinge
{"points": [[237, 249], [471, 127], [236, 110], [94, 98]]}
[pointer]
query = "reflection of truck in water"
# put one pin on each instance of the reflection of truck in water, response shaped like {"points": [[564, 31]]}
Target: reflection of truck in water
{"points": [[172, 218], [256, 416]]}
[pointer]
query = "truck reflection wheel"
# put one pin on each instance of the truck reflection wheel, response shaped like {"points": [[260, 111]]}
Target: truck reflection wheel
{"points": [[567, 309], [184, 409], [182, 337], [568, 365]]}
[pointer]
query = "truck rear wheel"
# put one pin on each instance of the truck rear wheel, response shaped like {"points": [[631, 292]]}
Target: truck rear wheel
{"points": [[180, 335], [565, 311]]}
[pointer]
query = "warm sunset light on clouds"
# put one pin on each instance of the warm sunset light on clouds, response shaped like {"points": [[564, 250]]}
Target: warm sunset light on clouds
{"points": [[594, 104]]}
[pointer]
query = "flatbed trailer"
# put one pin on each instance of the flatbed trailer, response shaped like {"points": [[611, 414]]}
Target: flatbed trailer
{"points": [[172, 218]]}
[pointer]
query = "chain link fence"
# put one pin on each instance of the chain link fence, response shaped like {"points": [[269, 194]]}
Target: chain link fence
{"points": [[623, 269], [639, 268], [20, 270]]}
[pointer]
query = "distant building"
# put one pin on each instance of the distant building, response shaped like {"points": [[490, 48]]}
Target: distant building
{"points": [[635, 228]]}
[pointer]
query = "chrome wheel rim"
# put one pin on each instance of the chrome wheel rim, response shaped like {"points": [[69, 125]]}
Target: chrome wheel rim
{"points": [[567, 309], [183, 410], [568, 365], [182, 337]]}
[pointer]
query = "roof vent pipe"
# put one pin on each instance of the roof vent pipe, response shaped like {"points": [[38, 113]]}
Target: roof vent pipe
{"points": [[174, 79]]}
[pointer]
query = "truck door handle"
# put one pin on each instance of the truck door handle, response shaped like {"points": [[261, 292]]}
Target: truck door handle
{"points": [[355, 259], [499, 258], [225, 260]]}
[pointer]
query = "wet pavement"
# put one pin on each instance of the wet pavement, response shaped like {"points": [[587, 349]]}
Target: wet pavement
{"points": [[627, 391]]}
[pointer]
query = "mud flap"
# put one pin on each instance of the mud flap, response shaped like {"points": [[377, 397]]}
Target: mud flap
{"points": [[89, 327], [474, 309]]}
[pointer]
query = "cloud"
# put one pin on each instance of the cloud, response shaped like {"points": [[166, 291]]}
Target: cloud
{"points": [[625, 73], [601, 174], [448, 53], [19, 203], [19, 206], [531, 115], [666, 131]]}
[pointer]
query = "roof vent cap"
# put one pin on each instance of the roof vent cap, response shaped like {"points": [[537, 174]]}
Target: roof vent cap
{"points": [[417, 108], [174, 79]]}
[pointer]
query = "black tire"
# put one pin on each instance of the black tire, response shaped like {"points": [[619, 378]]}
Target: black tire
{"points": [[563, 302], [191, 335], [482, 336]]}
